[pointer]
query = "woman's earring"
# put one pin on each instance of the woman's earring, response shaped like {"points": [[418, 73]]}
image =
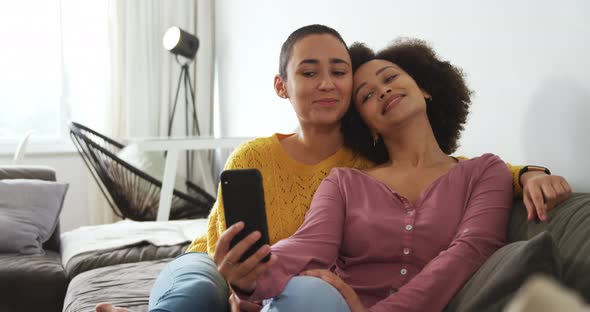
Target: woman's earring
{"points": [[375, 139], [428, 100]]}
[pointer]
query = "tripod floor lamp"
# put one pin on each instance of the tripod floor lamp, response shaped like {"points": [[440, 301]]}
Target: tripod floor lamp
{"points": [[185, 45]]}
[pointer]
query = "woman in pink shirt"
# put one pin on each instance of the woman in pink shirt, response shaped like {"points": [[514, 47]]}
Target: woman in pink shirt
{"points": [[405, 235]]}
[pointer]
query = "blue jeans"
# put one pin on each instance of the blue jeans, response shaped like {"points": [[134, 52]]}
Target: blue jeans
{"points": [[309, 294], [190, 282]]}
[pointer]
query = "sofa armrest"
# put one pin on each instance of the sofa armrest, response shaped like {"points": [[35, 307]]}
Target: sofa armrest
{"points": [[32, 283], [27, 172]]}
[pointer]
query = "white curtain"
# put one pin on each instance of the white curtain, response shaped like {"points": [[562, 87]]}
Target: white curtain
{"points": [[86, 71], [143, 78]]}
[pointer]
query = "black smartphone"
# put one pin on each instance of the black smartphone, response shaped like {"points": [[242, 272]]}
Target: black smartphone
{"points": [[243, 200]]}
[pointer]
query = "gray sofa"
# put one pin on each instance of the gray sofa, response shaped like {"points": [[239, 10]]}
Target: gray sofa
{"points": [[559, 248], [32, 282]]}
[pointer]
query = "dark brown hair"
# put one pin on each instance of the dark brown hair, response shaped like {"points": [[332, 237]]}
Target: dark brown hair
{"points": [[294, 37], [447, 111]]}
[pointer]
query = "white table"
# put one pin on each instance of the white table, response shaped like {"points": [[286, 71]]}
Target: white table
{"points": [[173, 146]]}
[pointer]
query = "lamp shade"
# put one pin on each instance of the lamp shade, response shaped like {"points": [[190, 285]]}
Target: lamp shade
{"points": [[180, 42]]}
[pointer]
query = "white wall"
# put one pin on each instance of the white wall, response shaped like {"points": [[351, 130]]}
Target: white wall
{"points": [[69, 168], [526, 60]]}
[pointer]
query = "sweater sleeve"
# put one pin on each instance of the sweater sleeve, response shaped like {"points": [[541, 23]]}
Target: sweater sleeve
{"points": [[515, 171], [315, 245], [482, 231], [200, 243], [216, 223]]}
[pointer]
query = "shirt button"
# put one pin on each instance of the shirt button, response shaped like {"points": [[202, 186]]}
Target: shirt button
{"points": [[406, 251], [409, 227], [411, 212], [403, 272]]}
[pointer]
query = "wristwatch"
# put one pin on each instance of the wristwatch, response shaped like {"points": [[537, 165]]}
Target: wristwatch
{"points": [[531, 168]]}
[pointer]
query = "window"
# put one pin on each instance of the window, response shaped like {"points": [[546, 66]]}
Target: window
{"points": [[54, 68]]}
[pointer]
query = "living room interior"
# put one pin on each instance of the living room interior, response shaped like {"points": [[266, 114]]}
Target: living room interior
{"points": [[102, 64]]}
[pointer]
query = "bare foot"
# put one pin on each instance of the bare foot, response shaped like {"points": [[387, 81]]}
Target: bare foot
{"points": [[107, 307]]}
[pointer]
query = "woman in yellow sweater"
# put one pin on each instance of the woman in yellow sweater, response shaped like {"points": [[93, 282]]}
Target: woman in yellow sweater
{"points": [[315, 74]]}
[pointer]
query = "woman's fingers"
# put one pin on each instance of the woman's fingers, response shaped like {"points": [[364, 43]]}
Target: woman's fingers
{"points": [[261, 268], [238, 305], [562, 188], [230, 265], [240, 248], [247, 306], [241, 274], [530, 207], [544, 193], [330, 278], [247, 282], [222, 247], [566, 186], [253, 261], [536, 196], [550, 196]]}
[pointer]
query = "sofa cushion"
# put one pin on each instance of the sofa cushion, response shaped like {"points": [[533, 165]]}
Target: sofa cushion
{"points": [[124, 285], [129, 254], [29, 214], [494, 284], [569, 225], [32, 283]]}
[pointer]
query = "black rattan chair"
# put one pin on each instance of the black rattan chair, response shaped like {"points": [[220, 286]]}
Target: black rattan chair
{"points": [[130, 192]]}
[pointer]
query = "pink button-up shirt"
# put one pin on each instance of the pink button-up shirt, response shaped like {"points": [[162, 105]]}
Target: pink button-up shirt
{"points": [[399, 256]]}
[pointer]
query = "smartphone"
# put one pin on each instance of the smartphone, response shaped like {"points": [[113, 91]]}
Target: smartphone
{"points": [[243, 200]]}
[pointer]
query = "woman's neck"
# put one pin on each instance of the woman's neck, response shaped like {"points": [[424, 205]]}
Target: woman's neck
{"points": [[313, 144], [414, 145]]}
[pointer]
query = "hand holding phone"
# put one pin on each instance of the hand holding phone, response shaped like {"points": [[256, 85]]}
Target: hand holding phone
{"points": [[243, 200]]}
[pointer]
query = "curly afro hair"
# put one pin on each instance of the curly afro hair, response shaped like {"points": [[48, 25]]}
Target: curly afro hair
{"points": [[447, 111]]}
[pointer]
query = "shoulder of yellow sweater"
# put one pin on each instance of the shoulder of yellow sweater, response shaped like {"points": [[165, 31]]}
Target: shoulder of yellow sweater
{"points": [[257, 143], [249, 151]]}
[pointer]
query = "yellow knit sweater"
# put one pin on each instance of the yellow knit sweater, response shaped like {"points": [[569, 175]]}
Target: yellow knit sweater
{"points": [[288, 187]]}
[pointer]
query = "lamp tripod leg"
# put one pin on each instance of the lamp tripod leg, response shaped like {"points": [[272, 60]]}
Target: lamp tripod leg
{"points": [[196, 129], [175, 101], [185, 79]]}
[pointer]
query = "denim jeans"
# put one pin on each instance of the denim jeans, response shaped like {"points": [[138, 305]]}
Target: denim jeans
{"points": [[190, 282], [309, 294]]}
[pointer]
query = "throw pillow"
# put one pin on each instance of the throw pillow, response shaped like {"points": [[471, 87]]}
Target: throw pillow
{"points": [[29, 213], [496, 281]]}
